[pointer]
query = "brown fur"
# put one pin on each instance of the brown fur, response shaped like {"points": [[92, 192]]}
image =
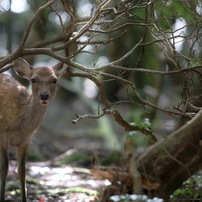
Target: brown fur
{"points": [[21, 113]]}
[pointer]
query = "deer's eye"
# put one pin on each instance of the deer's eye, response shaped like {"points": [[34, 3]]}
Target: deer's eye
{"points": [[54, 80], [33, 80]]}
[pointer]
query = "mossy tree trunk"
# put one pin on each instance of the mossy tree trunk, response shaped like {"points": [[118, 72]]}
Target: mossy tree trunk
{"points": [[174, 159]]}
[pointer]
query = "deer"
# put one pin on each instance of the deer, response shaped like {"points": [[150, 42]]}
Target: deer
{"points": [[21, 113]]}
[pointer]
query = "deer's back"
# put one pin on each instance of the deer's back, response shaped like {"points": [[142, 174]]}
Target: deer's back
{"points": [[13, 98]]}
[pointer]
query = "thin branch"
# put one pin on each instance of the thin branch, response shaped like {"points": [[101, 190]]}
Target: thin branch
{"points": [[32, 20], [85, 27], [93, 116], [107, 110], [48, 42], [6, 68], [18, 51]]}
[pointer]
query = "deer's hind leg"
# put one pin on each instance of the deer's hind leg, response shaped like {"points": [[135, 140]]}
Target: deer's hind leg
{"points": [[3, 171]]}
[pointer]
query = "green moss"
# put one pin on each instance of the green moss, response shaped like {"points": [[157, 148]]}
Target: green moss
{"points": [[88, 192], [78, 157], [34, 157], [190, 191]]}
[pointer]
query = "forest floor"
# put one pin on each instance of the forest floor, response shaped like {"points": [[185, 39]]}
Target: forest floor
{"points": [[49, 182], [52, 183]]}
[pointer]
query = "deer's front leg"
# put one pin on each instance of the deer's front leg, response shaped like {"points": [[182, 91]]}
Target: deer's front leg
{"points": [[21, 158], [3, 171]]}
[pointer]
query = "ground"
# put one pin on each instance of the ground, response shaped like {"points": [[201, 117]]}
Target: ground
{"points": [[51, 183]]}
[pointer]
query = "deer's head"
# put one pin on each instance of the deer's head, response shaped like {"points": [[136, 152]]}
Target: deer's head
{"points": [[43, 79]]}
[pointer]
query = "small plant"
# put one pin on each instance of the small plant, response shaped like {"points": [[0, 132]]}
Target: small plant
{"points": [[191, 190]]}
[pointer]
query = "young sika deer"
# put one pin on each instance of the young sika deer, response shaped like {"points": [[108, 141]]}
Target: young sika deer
{"points": [[21, 114]]}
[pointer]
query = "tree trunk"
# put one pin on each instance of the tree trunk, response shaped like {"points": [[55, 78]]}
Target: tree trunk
{"points": [[174, 159]]}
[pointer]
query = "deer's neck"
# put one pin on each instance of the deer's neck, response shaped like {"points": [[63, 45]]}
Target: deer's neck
{"points": [[32, 115]]}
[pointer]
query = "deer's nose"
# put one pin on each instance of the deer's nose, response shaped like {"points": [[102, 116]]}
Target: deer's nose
{"points": [[44, 96]]}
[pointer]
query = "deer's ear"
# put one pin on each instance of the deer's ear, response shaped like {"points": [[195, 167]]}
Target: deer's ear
{"points": [[22, 68], [59, 69]]}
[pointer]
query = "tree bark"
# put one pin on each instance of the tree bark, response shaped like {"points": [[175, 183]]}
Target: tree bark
{"points": [[174, 159]]}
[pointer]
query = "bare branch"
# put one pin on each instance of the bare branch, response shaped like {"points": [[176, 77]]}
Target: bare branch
{"points": [[18, 51]]}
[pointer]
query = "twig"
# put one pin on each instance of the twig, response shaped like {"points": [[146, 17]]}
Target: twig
{"points": [[94, 116], [18, 51]]}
